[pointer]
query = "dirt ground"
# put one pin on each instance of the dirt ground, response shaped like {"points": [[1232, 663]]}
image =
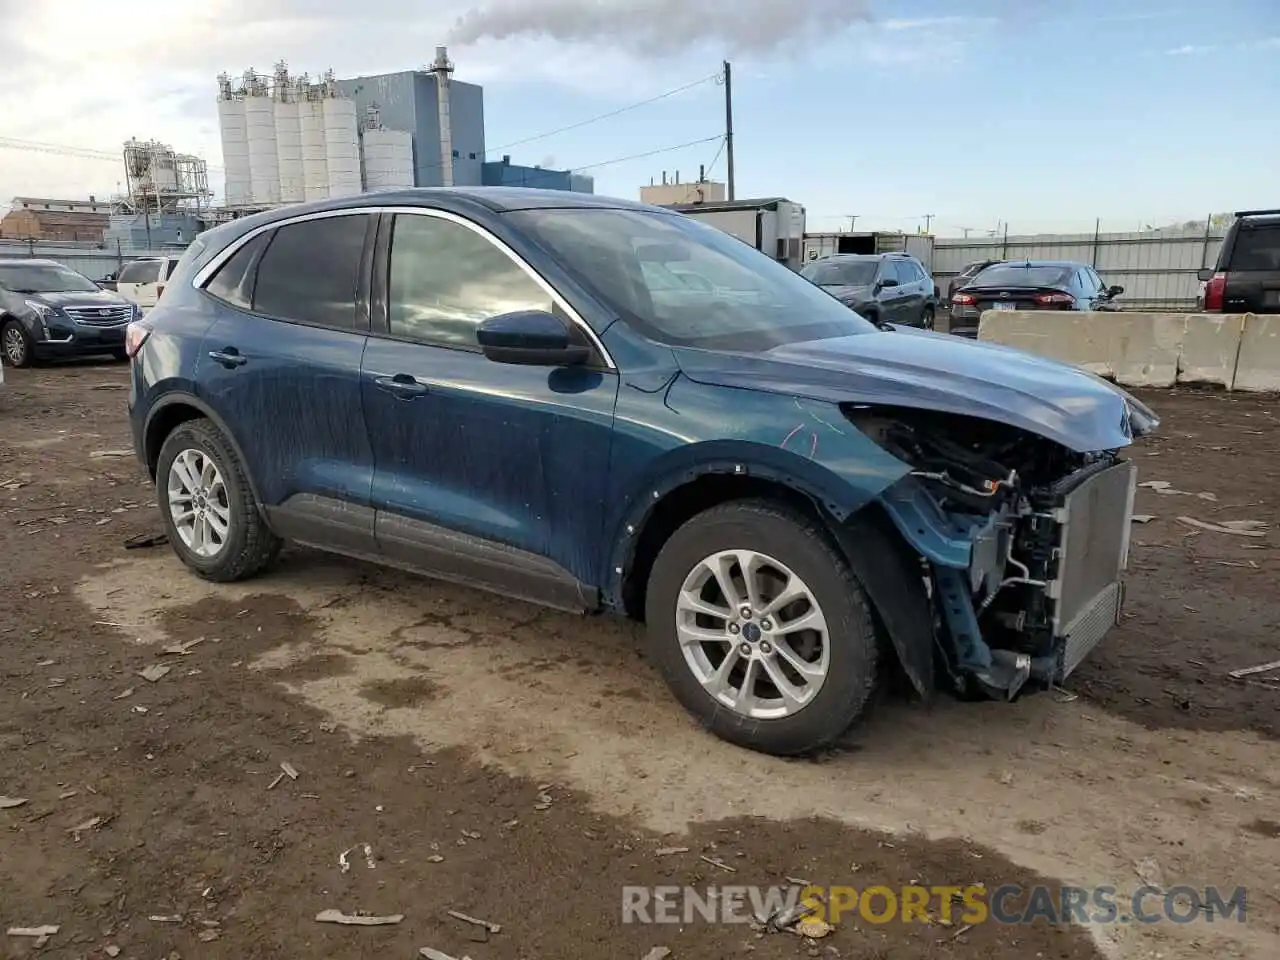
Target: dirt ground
{"points": [[523, 766]]}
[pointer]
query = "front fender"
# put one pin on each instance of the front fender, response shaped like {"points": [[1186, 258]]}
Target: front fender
{"points": [[668, 438]]}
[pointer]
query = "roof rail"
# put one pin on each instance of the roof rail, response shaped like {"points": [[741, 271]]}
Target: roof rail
{"points": [[1257, 213]]}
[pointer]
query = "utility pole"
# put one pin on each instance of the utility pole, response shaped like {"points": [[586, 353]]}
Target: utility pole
{"points": [[728, 124], [853, 220], [928, 221]]}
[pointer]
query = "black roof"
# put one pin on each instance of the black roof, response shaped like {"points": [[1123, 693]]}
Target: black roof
{"points": [[496, 199]]}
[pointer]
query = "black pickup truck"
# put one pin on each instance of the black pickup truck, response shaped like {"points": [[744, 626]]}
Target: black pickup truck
{"points": [[1247, 276]]}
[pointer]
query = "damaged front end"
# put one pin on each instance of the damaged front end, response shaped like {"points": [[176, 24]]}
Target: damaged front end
{"points": [[1022, 543]]}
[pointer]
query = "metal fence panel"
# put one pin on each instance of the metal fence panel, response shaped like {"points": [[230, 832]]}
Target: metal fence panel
{"points": [[95, 261]]}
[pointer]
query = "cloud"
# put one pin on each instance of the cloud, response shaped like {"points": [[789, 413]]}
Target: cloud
{"points": [[663, 27], [1188, 50]]}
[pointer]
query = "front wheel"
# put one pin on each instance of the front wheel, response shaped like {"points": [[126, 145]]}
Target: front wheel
{"points": [[16, 344], [760, 628], [927, 318], [210, 515]]}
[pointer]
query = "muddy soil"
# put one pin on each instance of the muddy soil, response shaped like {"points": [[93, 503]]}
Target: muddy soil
{"points": [[523, 767]]}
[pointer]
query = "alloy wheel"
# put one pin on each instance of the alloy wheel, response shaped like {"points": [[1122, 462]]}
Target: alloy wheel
{"points": [[198, 503], [753, 634]]}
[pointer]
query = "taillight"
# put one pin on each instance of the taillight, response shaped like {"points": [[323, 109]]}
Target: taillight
{"points": [[1052, 299], [964, 299], [1214, 290], [135, 335]]}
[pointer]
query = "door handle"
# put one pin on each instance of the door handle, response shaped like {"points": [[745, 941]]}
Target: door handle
{"points": [[229, 357], [401, 385]]}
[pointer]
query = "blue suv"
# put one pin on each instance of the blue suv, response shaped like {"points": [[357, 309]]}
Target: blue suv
{"points": [[501, 387]]}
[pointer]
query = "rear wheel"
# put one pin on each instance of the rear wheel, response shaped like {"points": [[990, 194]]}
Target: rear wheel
{"points": [[15, 344], [927, 318], [760, 629], [210, 515]]}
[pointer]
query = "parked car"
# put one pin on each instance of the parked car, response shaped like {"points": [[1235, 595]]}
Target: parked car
{"points": [[969, 271], [142, 281], [882, 287], [47, 310], [480, 385], [1247, 276], [1030, 285]]}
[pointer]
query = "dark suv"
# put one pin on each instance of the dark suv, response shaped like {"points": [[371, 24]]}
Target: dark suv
{"points": [[503, 387], [1247, 276], [883, 287], [48, 310]]}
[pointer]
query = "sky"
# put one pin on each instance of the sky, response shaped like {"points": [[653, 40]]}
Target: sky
{"points": [[975, 114]]}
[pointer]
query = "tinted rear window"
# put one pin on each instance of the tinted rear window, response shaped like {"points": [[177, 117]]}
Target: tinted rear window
{"points": [[1012, 275], [1257, 249], [311, 271], [849, 273]]}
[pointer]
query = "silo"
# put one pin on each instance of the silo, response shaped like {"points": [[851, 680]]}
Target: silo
{"points": [[235, 146], [342, 146], [264, 160], [315, 162], [388, 160], [289, 151]]}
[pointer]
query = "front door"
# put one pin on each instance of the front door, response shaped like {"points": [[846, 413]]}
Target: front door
{"points": [[280, 366], [486, 473]]}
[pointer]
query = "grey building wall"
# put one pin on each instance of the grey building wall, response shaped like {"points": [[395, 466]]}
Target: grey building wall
{"points": [[408, 101]]}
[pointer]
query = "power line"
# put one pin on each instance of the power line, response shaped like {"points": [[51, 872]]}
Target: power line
{"points": [[81, 153], [553, 174], [605, 116]]}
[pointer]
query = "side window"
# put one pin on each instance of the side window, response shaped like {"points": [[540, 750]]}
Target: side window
{"points": [[913, 270], [446, 280], [1095, 284], [893, 271], [311, 270], [233, 283]]}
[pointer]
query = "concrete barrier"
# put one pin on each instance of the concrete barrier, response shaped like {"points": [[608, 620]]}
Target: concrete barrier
{"points": [[1236, 351], [1258, 366]]}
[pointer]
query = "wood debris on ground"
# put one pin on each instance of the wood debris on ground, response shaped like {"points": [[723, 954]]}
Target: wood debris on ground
{"points": [[357, 919]]}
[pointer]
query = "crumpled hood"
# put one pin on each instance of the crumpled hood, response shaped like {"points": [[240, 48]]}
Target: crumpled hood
{"points": [[80, 298], [931, 371]]}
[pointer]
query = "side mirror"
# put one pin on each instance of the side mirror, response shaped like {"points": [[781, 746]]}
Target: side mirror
{"points": [[531, 338], [1114, 291], [1205, 275], [887, 282]]}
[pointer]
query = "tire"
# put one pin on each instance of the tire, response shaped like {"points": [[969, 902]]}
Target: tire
{"points": [[788, 538], [247, 545], [15, 344], [927, 318]]}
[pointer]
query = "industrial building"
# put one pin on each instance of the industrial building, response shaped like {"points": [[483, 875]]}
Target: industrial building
{"points": [[288, 139], [672, 191], [35, 218]]}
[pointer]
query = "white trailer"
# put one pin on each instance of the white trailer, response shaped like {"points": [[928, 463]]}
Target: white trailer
{"points": [[774, 226]]}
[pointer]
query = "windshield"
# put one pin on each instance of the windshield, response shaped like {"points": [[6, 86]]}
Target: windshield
{"points": [[841, 273], [1021, 275], [43, 278], [685, 283]]}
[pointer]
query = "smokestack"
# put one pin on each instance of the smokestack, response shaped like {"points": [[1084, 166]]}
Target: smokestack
{"points": [[442, 68]]}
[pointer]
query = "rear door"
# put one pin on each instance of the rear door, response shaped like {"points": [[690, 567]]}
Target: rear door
{"points": [[1253, 274], [895, 301], [281, 367]]}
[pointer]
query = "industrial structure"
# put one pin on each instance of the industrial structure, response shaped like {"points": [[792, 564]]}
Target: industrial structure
{"points": [[35, 218], [672, 191], [289, 139]]}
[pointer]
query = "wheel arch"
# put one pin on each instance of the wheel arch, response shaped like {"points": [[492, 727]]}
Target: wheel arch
{"points": [[170, 412], [886, 565]]}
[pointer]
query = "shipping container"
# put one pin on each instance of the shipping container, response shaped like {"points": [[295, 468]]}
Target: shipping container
{"points": [[774, 226]]}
